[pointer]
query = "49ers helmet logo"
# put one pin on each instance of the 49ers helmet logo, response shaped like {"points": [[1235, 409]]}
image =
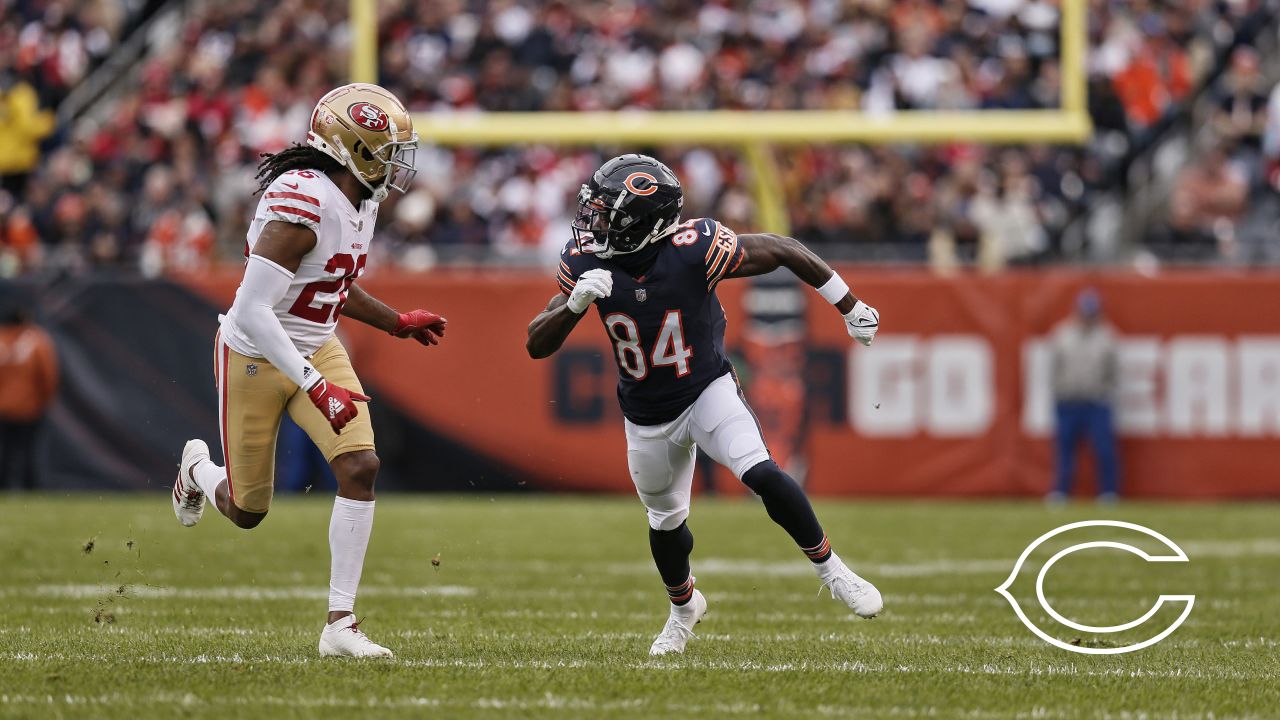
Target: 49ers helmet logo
{"points": [[368, 116], [641, 183]]}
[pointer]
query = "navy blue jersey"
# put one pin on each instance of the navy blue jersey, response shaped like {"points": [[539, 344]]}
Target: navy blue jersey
{"points": [[667, 326]]}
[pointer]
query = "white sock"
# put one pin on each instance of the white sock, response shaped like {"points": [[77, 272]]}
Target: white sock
{"points": [[349, 529], [208, 477], [828, 566]]}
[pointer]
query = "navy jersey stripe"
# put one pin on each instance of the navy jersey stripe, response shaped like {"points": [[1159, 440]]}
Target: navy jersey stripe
{"points": [[712, 248], [723, 264], [717, 267]]}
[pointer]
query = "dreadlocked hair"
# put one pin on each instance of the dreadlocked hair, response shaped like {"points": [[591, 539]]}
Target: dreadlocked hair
{"points": [[294, 157]]}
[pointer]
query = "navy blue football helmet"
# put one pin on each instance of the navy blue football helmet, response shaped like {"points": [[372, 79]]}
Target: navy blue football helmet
{"points": [[631, 201]]}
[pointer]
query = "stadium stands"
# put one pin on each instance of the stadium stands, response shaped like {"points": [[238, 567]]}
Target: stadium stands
{"points": [[160, 176]]}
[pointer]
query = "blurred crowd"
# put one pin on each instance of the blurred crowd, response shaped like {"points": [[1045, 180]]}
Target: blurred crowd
{"points": [[51, 46], [1224, 202], [160, 175]]}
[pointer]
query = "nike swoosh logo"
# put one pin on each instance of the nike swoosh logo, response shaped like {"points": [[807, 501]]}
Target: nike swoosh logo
{"points": [[291, 186], [706, 228]]}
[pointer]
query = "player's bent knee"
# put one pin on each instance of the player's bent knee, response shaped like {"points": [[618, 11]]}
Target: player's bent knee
{"points": [[357, 469], [737, 444], [762, 475], [246, 520], [746, 453], [665, 520], [667, 510]]}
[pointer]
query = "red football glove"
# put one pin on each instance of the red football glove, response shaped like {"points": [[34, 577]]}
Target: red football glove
{"points": [[337, 403], [422, 325]]}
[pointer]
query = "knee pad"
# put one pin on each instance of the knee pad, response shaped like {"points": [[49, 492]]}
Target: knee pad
{"points": [[745, 448], [667, 520], [667, 511]]}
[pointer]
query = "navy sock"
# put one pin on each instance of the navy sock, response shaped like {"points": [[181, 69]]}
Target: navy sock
{"points": [[671, 550], [788, 506]]}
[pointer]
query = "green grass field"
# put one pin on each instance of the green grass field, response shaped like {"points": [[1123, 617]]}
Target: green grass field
{"points": [[545, 607]]}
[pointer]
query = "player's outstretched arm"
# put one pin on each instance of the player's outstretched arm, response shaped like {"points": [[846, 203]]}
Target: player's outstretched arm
{"points": [[422, 325], [365, 308], [766, 252]]}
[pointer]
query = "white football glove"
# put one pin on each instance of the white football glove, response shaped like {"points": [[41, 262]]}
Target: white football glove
{"points": [[592, 285], [862, 322]]}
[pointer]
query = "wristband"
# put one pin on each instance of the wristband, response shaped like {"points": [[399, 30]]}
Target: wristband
{"points": [[309, 384], [834, 290]]}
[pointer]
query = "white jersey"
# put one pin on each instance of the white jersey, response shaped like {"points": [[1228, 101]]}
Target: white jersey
{"points": [[309, 311]]}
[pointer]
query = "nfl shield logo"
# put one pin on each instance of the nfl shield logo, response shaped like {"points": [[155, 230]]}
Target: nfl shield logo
{"points": [[250, 369], [641, 294]]}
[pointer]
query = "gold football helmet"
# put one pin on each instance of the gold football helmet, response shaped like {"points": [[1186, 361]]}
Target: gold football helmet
{"points": [[366, 129]]}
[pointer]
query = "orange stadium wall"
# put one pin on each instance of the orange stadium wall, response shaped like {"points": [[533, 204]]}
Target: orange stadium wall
{"points": [[951, 400]]}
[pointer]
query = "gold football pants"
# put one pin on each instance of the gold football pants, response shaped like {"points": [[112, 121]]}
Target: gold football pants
{"points": [[253, 396]]}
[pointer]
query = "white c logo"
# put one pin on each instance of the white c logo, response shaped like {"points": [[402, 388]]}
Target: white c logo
{"points": [[1177, 556]]}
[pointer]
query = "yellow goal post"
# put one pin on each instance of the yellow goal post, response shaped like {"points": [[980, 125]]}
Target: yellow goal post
{"points": [[755, 133]]}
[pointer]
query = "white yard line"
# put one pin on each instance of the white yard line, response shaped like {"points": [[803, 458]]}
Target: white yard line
{"points": [[1261, 547], [702, 566], [679, 665], [781, 568], [139, 634], [227, 592]]}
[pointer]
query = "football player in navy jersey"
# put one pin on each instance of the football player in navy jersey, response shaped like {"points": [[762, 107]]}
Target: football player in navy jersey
{"points": [[653, 281]]}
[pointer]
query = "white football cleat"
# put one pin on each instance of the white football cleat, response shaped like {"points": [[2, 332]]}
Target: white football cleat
{"points": [[188, 498], [679, 628], [342, 638], [861, 596]]}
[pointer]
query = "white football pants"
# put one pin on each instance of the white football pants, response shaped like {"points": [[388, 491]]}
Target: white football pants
{"points": [[661, 456]]}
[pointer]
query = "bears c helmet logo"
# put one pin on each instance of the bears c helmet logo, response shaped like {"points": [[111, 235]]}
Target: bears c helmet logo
{"points": [[641, 183]]}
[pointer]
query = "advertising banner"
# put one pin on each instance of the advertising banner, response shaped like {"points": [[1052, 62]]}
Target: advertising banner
{"points": [[952, 399]]}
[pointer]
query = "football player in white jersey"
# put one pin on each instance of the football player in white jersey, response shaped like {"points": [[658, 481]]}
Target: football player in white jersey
{"points": [[276, 351]]}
